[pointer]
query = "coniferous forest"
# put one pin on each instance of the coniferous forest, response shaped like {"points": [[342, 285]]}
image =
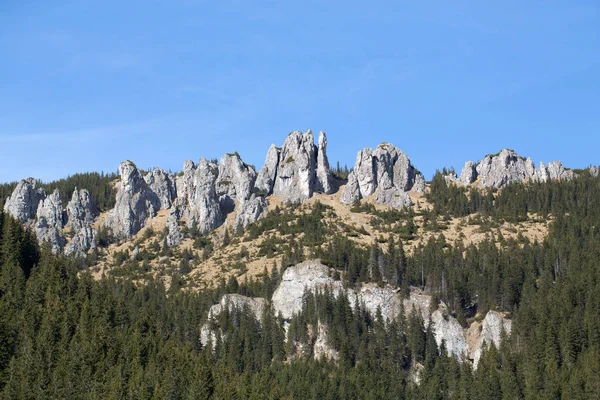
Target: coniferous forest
{"points": [[66, 335]]}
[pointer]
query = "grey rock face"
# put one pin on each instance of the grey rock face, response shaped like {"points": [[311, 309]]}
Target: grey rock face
{"points": [[136, 202], [449, 330], [556, 171], [322, 349], [298, 280], [365, 172], [486, 333], [504, 168], [351, 192], [385, 172], [235, 180], [468, 174], [51, 210], [80, 216], [594, 171], [24, 200], [205, 208], [50, 220], [266, 177], [249, 212], [162, 184], [174, 236], [295, 180], [324, 179], [199, 196], [372, 297], [507, 167], [230, 302]]}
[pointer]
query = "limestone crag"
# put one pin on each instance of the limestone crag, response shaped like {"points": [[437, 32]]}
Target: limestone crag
{"points": [[266, 177], [235, 181], [468, 173], [324, 181], [249, 212], [203, 208], [50, 221], [311, 277], [449, 330], [387, 173], [594, 171], [296, 282], [322, 350], [507, 167], [80, 217], [174, 235], [373, 298], [230, 302], [297, 170], [24, 200], [485, 334], [136, 202], [163, 186]]}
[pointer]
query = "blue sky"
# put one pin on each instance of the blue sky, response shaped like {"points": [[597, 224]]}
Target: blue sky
{"points": [[86, 84]]}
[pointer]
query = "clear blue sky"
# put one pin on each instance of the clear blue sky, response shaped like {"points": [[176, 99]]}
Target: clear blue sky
{"points": [[86, 84]]}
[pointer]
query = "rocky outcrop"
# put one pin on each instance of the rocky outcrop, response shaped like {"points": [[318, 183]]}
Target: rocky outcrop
{"points": [[163, 186], [203, 204], [197, 195], [256, 305], [136, 202], [594, 171], [322, 350], [296, 282], [324, 181], [80, 217], [507, 167], [50, 221], [386, 173], [486, 333], [373, 298], [235, 181], [449, 331], [312, 277], [468, 174], [24, 200], [249, 212], [297, 170], [174, 235], [266, 177], [230, 302]]}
